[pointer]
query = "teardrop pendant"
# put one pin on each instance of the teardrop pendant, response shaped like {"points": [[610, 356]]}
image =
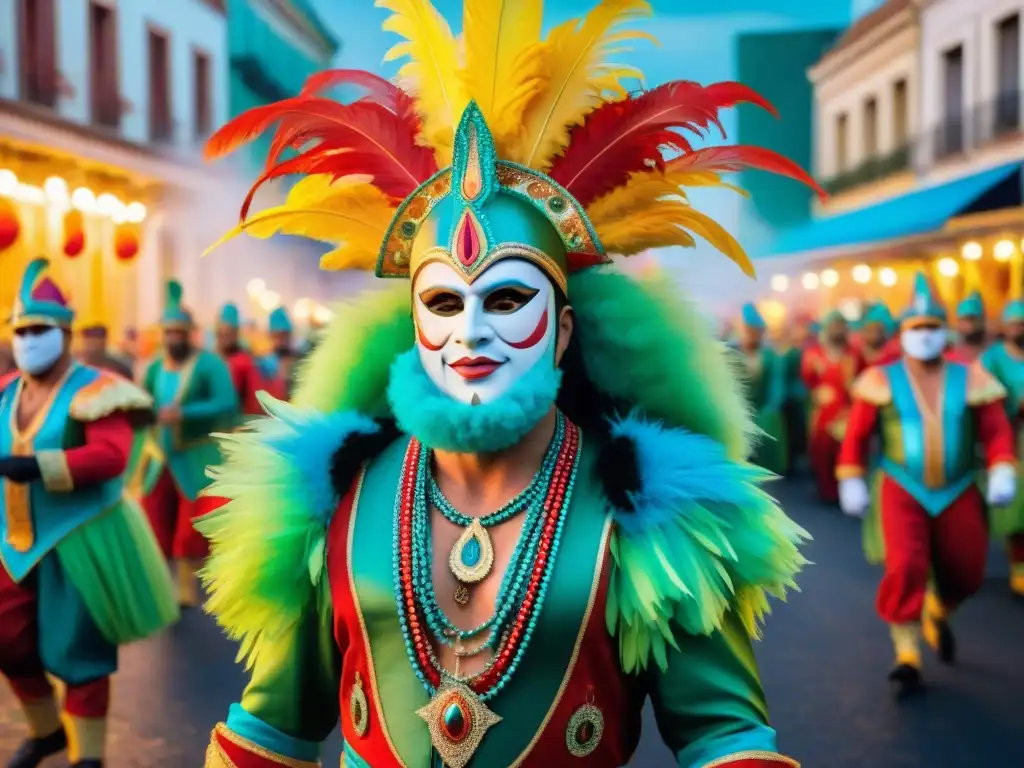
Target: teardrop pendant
{"points": [[472, 556]]}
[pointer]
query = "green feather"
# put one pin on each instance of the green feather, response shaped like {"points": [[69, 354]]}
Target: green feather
{"points": [[34, 271], [175, 293]]}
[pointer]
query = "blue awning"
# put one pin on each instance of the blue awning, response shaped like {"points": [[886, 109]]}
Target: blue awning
{"points": [[916, 213]]}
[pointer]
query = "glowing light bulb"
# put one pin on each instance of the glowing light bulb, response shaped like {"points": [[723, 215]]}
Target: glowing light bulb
{"points": [[270, 300], [304, 309], [56, 189], [780, 283], [887, 277], [862, 274], [972, 251], [84, 200], [949, 267], [1003, 250], [323, 315], [136, 213], [8, 182], [107, 204], [810, 281], [256, 288], [830, 278]]}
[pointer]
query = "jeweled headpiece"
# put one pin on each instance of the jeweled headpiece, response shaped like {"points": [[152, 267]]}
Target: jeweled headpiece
{"points": [[498, 144], [39, 301]]}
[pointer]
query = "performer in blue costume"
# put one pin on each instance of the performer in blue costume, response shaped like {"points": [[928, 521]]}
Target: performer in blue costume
{"points": [[1005, 360], [81, 572], [195, 397]]}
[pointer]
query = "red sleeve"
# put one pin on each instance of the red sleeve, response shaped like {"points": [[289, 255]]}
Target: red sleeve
{"points": [[105, 454], [808, 369], [995, 433], [853, 453]]}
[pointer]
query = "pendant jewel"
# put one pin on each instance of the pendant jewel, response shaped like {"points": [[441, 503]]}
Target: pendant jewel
{"points": [[359, 708], [461, 595], [458, 721], [584, 731], [472, 556]]}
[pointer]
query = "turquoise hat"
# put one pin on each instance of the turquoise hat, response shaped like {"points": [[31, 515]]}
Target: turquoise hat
{"points": [[879, 313], [175, 313], [752, 318], [923, 304], [279, 321], [832, 317], [229, 316], [972, 306], [1013, 312], [39, 300]]}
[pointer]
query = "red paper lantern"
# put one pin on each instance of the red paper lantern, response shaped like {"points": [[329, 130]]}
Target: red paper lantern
{"points": [[126, 242], [10, 227], [74, 234]]}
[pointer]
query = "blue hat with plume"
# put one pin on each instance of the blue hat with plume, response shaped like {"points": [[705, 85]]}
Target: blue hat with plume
{"points": [[751, 317], [175, 313], [924, 307], [39, 301], [279, 321], [229, 316], [971, 306], [879, 313], [1013, 312]]}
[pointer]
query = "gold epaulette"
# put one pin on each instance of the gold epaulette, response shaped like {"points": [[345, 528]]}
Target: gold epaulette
{"points": [[982, 387], [108, 394], [873, 387]]}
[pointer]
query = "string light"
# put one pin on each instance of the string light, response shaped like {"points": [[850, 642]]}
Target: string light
{"points": [[84, 200], [810, 281], [256, 288], [56, 189], [830, 278], [972, 251], [8, 182], [780, 283], [304, 309], [136, 213], [948, 267], [270, 300], [862, 274], [887, 277], [1003, 250]]}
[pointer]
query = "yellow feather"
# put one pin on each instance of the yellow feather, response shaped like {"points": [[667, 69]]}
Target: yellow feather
{"points": [[650, 228], [350, 213], [578, 76], [432, 69], [504, 63]]}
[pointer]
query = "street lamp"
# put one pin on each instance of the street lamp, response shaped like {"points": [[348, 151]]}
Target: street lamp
{"points": [[973, 251], [780, 283], [948, 267], [830, 278], [862, 274]]}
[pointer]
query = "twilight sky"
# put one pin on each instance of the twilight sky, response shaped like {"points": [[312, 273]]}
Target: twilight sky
{"points": [[696, 44]]}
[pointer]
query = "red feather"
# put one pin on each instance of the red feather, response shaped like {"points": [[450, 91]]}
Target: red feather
{"points": [[729, 94], [623, 137], [739, 157]]}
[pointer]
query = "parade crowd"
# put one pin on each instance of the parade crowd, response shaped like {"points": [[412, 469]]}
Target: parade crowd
{"points": [[913, 426]]}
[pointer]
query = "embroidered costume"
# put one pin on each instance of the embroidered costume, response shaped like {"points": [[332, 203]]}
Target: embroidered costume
{"points": [[494, 190], [245, 373], [765, 389], [1005, 361], [931, 515], [81, 572], [829, 369], [171, 469]]}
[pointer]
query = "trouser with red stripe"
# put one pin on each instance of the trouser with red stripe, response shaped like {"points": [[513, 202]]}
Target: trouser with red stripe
{"points": [[171, 514], [951, 548]]}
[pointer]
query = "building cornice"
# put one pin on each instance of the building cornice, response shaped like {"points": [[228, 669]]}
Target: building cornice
{"points": [[842, 55]]}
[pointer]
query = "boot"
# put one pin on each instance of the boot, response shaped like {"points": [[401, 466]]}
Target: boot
{"points": [[33, 751], [905, 676], [936, 630]]}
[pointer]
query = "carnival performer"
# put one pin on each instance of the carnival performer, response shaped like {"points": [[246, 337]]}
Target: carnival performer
{"points": [[555, 517], [796, 338], [879, 341], [81, 572], [971, 330], [1005, 361], [829, 369], [243, 366], [96, 352], [765, 388], [280, 367], [932, 414], [195, 396]]}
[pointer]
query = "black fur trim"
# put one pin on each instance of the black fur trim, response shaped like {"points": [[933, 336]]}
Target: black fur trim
{"points": [[357, 449], [619, 470]]}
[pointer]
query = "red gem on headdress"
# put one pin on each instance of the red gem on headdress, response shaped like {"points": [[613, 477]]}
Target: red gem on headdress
{"points": [[467, 243]]}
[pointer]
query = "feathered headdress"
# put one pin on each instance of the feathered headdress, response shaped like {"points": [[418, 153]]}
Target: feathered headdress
{"points": [[491, 134], [39, 301]]}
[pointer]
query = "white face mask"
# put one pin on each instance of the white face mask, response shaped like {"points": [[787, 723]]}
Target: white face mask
{"points": [[35, 353], [924, 343], [476, 339]]}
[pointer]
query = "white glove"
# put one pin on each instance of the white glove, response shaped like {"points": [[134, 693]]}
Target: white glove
{"points": [[854, 498], [1002, 485]]}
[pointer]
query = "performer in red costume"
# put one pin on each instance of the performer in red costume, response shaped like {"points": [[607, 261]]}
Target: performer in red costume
{"points": [[241, 363], [932, 414], [828, 370]]}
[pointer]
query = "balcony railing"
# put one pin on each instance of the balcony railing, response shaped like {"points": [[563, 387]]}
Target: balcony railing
{"points": [[872, 169], [983, 124]]}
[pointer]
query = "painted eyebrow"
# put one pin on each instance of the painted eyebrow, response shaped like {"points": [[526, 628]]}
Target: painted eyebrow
{"points": [[512, 283], [436, 289]]}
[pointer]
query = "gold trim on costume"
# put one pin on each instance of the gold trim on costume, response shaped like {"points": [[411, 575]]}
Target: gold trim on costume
{"points": [[873, 387], [107, 395], [56, 475], [255, 749], [571, 666], [772, 757], [29, 321]]}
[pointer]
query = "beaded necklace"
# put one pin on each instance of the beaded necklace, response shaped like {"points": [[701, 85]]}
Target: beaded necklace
{"points": [[457, 714]]}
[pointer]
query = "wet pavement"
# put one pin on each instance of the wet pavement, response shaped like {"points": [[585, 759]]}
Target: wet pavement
{"points": [[824, 661]]}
